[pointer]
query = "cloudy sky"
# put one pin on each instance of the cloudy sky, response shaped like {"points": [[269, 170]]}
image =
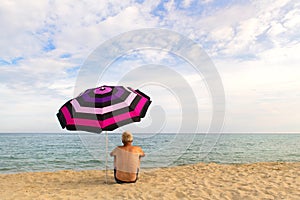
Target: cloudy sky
{"points": [[254, 46]]}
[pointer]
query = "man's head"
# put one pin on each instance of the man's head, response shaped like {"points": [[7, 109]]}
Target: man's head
{"points": [[127, 137]]}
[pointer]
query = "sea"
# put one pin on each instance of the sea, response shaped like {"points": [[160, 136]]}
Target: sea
{"points": [[35, 152]]}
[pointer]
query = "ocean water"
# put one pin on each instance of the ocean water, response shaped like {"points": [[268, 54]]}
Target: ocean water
{"points": [[81, 151]]}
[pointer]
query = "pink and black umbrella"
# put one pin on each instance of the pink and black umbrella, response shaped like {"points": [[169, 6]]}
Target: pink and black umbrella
{"points": [[103, 108]]}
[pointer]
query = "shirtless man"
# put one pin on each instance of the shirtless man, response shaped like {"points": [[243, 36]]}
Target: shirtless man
{"points": [[127, 160]]}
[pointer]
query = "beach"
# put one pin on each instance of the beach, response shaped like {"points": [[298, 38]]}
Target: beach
{"points": [[265, 180]]}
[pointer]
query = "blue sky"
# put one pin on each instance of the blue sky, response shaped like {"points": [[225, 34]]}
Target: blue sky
{"points": [[253, 44]]}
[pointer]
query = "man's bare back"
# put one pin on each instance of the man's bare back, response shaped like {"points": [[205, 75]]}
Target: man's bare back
{"points": [[127, 160]]}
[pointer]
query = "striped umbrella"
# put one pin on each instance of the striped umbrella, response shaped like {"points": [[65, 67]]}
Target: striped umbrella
{"points": [[103, 108]]}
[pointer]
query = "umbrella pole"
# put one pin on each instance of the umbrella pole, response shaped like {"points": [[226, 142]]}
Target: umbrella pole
{"points": [[106, 152]]}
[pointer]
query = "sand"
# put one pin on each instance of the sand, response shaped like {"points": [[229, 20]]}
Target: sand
{"points": [[198, 181]]}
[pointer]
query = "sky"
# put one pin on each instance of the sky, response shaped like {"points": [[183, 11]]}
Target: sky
{"points": [[253, 45]]}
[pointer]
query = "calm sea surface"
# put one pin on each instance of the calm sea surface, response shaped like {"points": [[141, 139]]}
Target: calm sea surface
{"points": [[51, 152]]}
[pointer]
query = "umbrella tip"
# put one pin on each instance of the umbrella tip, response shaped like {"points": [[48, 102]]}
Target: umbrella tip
{"points": [[102, 88]]}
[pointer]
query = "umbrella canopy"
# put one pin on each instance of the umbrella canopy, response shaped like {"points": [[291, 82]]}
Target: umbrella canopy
{"points": [[103, 108]]}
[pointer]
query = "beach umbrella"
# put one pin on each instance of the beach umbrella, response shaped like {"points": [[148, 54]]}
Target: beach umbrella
{"points": [[104, 108]]}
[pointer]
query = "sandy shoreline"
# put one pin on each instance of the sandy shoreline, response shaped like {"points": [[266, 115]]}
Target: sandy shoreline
{"points": [[198, 181]]}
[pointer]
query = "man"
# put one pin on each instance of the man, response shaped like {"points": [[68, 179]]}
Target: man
{"points": [[127, 160]]}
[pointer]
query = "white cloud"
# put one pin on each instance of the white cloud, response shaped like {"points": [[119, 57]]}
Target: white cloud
{"points": [[292, 18], [186, 3], [238, 29], [254, 45], [28, 112], [262, 95]]}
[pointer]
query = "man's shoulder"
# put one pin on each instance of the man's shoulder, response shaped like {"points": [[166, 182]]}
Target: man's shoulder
{"points": [[138, 149]]}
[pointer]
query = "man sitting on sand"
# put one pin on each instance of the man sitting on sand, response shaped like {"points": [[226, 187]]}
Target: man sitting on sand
{"points": [[127, 160]]}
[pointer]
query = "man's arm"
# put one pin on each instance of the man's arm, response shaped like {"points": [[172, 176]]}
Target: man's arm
{"points": [[112, 153], [142, 154]]}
